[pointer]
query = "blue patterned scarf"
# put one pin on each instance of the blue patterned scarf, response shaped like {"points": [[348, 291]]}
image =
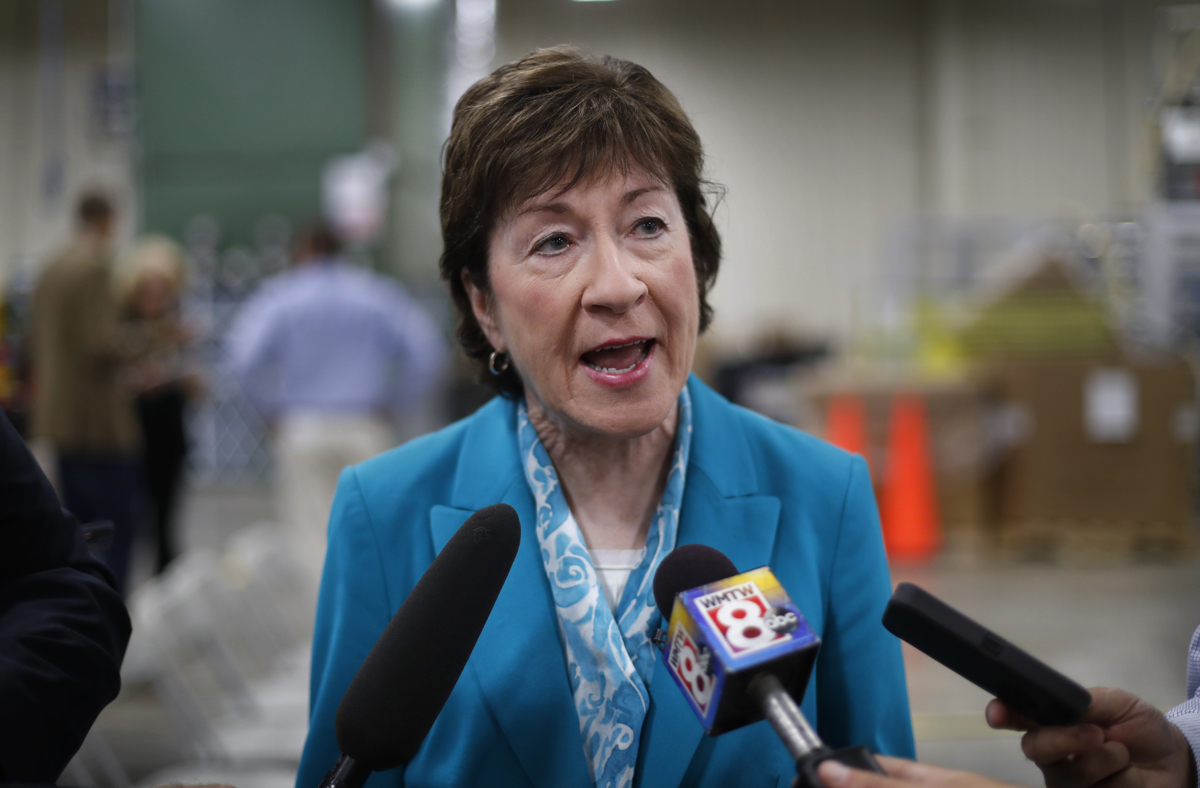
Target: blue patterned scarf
{"points": [[610, 658]]}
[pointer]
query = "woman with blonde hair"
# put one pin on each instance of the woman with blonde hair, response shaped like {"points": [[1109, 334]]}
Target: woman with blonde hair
{"points": [[149, 282]]}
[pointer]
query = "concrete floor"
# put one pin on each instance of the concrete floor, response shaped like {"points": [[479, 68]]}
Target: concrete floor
{"points": [[1125, 625]]}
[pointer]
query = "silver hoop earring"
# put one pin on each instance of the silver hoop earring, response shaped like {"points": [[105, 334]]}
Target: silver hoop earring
{"points": [[497, 362]]}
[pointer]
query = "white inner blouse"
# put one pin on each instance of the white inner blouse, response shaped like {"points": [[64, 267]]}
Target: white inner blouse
{"points": [[613, 568]]}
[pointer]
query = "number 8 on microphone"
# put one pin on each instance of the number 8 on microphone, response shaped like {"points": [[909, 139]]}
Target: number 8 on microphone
{"points": [[721, 635]]}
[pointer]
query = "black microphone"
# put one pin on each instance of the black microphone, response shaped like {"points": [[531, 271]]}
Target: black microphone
{"points": [[740, 650], [688, 566], [407, 678]]}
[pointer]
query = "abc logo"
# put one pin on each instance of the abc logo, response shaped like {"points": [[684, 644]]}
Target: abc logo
{"points": [[781, 620]]}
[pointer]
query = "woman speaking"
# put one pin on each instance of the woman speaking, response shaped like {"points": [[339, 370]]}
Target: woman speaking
{"points": [[579, 251]]}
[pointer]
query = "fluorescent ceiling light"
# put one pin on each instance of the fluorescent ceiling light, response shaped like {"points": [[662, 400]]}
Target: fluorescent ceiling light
{"points": [[412, 4]]}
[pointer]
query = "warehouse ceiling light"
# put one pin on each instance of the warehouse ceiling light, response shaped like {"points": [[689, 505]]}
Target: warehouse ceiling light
{"points": [[409, 5]]}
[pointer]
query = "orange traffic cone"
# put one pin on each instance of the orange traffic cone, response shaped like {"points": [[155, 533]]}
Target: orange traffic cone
{"points": [[846, 423], [911, 526]]}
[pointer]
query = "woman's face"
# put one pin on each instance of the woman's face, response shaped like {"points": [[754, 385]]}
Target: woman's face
{"points": [[594, 298], [154, 295]]}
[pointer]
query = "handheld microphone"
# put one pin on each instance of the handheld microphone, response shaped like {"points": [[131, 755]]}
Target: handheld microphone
{"points": [[740, 650], [407, 678]]}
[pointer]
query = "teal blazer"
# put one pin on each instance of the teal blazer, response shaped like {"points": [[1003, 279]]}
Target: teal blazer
{"points": [[758, 491]]}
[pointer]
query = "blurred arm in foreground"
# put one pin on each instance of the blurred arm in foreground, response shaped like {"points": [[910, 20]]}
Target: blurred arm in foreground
{"points": [[63, 626], [902, 773]]}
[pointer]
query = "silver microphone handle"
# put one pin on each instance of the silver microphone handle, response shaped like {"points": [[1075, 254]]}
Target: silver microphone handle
{"points": [[785, 716]]}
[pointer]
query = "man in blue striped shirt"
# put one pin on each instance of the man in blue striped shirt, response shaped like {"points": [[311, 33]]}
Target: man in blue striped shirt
{"points": [[333, 356]]}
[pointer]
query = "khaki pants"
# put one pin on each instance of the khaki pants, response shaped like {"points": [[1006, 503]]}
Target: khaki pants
{"points": [[311, 449]]}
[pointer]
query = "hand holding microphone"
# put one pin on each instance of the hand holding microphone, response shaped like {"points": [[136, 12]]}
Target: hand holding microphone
{"points": [[740, 650], [407, 678]]}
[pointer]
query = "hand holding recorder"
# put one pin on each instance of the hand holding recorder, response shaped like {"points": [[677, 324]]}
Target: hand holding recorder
{"points": [[1121, 741], [1078, 739]]}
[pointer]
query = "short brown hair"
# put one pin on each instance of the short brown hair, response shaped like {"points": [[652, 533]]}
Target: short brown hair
{"points": [[94, 208], [319, 239], [558, 117]]}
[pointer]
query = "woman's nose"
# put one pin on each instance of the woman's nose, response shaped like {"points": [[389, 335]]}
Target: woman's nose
{"points": [[612, 281]]}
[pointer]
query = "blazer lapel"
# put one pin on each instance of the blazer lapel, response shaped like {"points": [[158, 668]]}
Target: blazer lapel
{"points": [[519, 656], [721, 508], [518, 660]]}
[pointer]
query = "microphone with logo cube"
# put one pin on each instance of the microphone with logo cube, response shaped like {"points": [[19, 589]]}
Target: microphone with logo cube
{"points": [[740, 651]]}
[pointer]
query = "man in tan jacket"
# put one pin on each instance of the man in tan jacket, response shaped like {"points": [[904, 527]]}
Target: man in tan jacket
{"points": [[82, 404]]}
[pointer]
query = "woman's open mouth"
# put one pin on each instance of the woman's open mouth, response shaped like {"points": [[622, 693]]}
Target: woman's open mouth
{"points": [[618, 359]]}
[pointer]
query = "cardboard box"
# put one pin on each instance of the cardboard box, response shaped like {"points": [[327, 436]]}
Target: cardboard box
{"points": [[1099, 455], [1039, 457]]}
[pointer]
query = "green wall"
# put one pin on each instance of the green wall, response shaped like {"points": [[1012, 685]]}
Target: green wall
{"points": [[241, 102]]}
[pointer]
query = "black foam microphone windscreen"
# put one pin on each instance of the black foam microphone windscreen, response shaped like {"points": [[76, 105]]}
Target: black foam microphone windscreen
{"points": [[403, 683], [686, 567]]}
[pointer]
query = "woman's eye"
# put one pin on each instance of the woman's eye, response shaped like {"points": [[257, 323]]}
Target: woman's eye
{"points": [[649, 226], [552, 244]]}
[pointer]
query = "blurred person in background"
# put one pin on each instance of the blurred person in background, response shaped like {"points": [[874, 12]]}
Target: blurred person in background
{"points": [[334, 356], [579, 251], [63, 627], [81, 351], [149, 284]]}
